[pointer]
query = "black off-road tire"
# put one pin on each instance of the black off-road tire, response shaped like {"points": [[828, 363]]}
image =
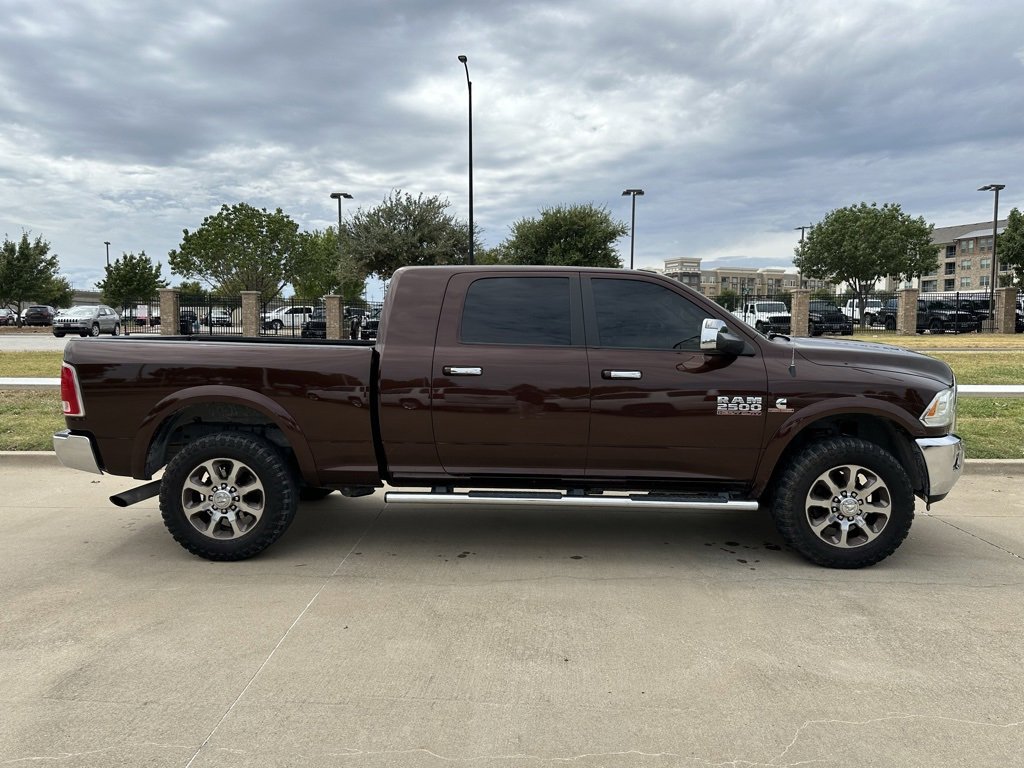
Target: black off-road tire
{"points": [[239, 456], [793, 497], [890, 323]]}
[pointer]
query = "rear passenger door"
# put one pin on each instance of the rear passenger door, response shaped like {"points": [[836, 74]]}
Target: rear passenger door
{"points": [[510, 391]]}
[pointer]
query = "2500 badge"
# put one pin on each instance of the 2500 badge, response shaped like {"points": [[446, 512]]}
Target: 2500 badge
{"points": [[740, 406]]}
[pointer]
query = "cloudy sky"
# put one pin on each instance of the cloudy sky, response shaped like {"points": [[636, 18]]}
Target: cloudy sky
{"points": [[130, 121]]}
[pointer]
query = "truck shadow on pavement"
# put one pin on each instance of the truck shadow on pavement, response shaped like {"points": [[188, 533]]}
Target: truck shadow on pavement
{"points": [[745, 539]]}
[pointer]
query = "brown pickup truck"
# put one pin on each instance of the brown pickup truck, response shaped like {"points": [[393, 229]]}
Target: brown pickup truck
{"points": [[513, 386]]}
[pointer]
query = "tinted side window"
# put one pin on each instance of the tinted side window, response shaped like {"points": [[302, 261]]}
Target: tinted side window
{"points": [[517, 310], [640, 315]]}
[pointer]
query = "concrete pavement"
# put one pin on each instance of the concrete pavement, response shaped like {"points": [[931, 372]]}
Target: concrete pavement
{"points": [[492, 637]]}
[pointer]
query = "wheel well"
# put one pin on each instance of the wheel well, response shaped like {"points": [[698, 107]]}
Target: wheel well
{"points": [[873, 429], [196, 421]]}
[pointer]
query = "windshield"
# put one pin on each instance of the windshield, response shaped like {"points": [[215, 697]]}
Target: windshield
{"points": [[772, 306], [79, 311]]}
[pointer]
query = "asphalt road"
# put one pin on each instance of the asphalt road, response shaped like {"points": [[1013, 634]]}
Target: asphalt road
{"points": [[406, 636]]}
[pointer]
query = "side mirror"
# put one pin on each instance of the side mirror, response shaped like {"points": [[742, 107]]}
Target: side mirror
{"points": [[716, 337]]}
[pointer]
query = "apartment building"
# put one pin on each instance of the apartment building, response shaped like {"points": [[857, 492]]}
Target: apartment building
{"points": [[965, 258], [752, 281]]}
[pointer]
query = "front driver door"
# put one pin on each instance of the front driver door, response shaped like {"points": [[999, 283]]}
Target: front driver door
{"points": [[657, 407]]}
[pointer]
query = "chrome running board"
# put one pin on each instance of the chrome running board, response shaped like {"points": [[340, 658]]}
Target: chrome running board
{"points": [[556, 498]]}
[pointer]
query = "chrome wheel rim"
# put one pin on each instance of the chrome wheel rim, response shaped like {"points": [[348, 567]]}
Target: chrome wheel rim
{"points": [[848, 506], [223, 498]]}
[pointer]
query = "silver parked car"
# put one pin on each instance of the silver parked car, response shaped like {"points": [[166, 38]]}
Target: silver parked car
{"points": [[87, 321]]}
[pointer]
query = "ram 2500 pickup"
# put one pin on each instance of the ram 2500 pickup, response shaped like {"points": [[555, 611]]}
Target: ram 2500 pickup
{"points": [[512, 386]]}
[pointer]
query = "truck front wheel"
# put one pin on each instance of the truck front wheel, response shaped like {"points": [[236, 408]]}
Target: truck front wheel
{"points": [[844, 503], [228, 496]]}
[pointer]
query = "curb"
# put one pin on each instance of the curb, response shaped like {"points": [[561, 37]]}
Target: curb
{"points": [[28, 459]]}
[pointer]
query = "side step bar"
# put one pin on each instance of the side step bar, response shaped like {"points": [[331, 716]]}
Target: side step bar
{"points": [[556, 498]]}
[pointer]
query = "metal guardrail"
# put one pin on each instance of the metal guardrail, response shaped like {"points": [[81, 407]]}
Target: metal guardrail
{"points": [[963, 390]]}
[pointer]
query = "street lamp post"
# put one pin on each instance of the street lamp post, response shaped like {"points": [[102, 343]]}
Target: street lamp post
{"points": [[107, 243], [469, 86], [995, 223], [338, 196], [632, 227]]}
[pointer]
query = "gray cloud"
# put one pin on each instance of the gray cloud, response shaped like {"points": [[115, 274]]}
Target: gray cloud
{"points": [[131, 121]]}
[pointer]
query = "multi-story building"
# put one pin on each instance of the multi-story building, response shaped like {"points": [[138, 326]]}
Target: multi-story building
{"points": [[965, 258], [750, 281], [685, 270]]}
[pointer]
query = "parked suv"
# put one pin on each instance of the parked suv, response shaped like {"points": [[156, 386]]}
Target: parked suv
{"points": [[353, 319], [872, 310], [217, 317], [8, 316], [825, 317], [291, 317], [87, 321], [38, 314], [932, 316]]}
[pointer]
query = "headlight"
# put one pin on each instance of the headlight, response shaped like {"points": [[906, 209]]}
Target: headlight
{"points": [[941, 411]]}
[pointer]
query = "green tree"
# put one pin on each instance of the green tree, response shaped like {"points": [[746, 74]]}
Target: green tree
{"points": [[404, 231], [192, 288], [1010, 246], [572, 236], [240, 248], [861, 244], [29, 273], [57, 292], [728, 299], [130, 279], [321, 267]]}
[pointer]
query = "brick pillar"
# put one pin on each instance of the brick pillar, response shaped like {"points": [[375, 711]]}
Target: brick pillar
{"points": [[906, 319], [250, 313], [1005, 310], [170, 300], [333, 316], [801, 309]]}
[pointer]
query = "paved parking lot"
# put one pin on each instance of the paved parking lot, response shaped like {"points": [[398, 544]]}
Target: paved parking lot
{"points": [[492, 637]]}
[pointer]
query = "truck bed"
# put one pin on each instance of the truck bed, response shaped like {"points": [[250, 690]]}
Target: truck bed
{"points": [[316, 392]]}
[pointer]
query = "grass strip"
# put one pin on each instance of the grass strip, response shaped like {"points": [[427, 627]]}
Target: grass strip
{"points": [[31, 364]]}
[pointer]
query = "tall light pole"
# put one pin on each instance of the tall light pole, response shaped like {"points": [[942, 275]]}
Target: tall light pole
{"points": [[338, 196], [107, 243], [632, 227], [995, 223], [469, 85]]}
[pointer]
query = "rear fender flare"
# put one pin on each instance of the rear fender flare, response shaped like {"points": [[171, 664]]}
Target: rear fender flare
{"points": [[169, 406]]}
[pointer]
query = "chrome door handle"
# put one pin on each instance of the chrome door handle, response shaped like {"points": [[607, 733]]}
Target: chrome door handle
{"points": [[621, 375], [462, 370]]}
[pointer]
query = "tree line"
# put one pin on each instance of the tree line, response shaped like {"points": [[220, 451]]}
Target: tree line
{"points": [[241, 247]]}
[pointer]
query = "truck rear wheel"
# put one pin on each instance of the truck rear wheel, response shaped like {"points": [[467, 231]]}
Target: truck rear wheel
{"points": [[844, 503], [228, 496]]}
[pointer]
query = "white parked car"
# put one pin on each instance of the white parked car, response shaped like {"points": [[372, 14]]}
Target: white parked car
{"points": [[872, 309], [765, 316], [217, 317], [286, 317]]}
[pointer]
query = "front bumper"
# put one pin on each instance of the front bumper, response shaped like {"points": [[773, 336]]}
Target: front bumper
{"points": [[944, 460], [75, 451]]}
